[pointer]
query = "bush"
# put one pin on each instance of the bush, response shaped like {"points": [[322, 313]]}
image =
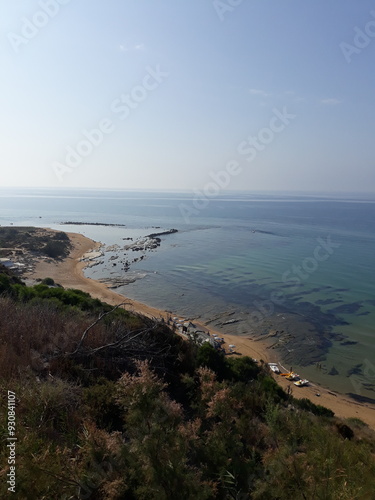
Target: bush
{"points": [[153, 433], [344, 430], [55, 249], [356, 422], [48, 281], [242, 369], [5, 283], [209, 357], [7, 279], [101, 405], [306, 404], [269, 386], [61, 236]]}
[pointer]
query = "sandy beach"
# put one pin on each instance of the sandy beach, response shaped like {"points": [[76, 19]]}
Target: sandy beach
{"points": [[69, 273]]}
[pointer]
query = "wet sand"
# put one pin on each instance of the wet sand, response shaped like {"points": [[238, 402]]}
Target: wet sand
{"points": [[69, 273]]}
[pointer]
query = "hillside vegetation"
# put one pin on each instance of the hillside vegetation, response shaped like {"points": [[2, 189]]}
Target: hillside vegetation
{"points": [[112, 405], [54, 244]]}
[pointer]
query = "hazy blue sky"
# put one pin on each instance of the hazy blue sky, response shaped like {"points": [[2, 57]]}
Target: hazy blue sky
{"points": [[279, 92]]}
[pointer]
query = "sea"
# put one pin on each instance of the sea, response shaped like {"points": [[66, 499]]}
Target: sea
{"points": [[295, 271]]}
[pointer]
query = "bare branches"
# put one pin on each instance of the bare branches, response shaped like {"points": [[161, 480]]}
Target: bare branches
{"points": [[57, 340], [124, 338], [135, 342], [91, 326]]}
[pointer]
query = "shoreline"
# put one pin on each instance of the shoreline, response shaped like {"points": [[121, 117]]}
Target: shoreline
{"points": [[69, 273]]}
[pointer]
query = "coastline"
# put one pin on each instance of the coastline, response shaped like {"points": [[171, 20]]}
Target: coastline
{"points": [[69, 273]]}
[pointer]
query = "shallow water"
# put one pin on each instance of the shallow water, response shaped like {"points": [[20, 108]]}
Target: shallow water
{"points": [[299, 266]]}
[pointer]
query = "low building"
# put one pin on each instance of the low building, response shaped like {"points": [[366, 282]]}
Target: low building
{"points": [[7, 263]]}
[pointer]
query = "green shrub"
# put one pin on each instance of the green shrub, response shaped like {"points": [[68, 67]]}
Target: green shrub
{"points": [[306, 404], [242, 369], [209, 357], [101, 404], [61, 236], [271, 388], [5, 283], [83, 432], [55, 249], [48, 281], [356, 422]]}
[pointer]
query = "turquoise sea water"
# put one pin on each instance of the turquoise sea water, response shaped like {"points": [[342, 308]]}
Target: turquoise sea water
{"points": [[300, 268]]}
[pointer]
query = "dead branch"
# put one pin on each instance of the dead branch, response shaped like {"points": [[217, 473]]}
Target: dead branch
{"points": [[60, 478], [123, 339], [101, 316]]}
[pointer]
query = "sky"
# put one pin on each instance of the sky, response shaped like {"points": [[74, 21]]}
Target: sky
{"points": [[201, 95]]}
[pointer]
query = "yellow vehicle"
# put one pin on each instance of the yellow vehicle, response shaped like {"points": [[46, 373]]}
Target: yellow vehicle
{"points": [[293, 376], [301, 383], [290, 375]]}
